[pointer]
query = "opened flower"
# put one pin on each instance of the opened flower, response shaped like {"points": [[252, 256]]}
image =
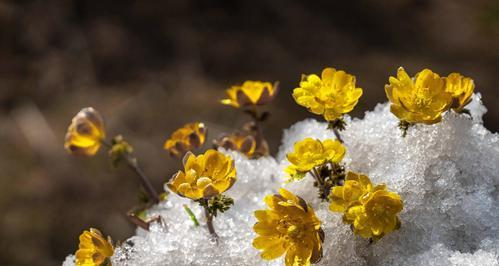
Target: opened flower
{"points": [[331, 95], [377, 214], [309, 153], [250, 93], [204, 176], [289, 227], [354, 187], [237, 141], [94, 249], [85, 133], [421, 99], [372, 211], [186, 138], [461, 89]]}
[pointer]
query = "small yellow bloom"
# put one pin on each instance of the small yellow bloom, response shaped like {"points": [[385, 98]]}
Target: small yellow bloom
{"points": [[354, 187], [377, 214], [331, 95], [421, 99], [244, 143], [372, 211], [204, 176], [309, 153], [85, 133], [94, 249], [186, 138], [250, 93], [461, 89], [290, 227]]}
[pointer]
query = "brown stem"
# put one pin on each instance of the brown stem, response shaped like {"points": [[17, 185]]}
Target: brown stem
{"points": [[337, 174], [137, 221], [209, 221], [321, 183], [133, 164], [257, 130], [317, 175], [131, 161], [107, 144], [141, 223], [256, 120], [337, 134]]}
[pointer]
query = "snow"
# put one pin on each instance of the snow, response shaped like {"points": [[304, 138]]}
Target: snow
{"points": [[447, 175]]}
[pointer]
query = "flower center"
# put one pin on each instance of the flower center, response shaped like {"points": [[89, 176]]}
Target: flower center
{"points": [[291, 229], [421, 97]]}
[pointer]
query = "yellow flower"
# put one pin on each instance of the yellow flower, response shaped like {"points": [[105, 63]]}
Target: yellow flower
{"points": [[291, 227], [461, 89], [186, 138], [354, 187], [94, 249], [376, 216], [244, 143], [372, 211], [204, 176], [422, 99], [309, 153], [250, 93], [331, 95], [85, 133]]}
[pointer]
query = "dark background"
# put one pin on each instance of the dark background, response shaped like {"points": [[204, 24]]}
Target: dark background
{"points": [[150, 66]]}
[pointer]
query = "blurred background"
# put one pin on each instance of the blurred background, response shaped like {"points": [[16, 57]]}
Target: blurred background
{"points": [[151, 66]]}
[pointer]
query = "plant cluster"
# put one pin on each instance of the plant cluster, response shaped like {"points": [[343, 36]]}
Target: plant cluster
{"points": [[289, 227]]}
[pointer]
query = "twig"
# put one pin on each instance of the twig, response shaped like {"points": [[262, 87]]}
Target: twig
{"points": [[141, 223]]}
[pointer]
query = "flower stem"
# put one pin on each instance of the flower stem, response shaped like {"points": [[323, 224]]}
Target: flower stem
{"points": [[317, 176], [132, 163], [141, 223], [257, 127], [107, 144], [209, 221], [337, 125], [323, 189], [404, 126], [137, 221], [337, 135]]}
